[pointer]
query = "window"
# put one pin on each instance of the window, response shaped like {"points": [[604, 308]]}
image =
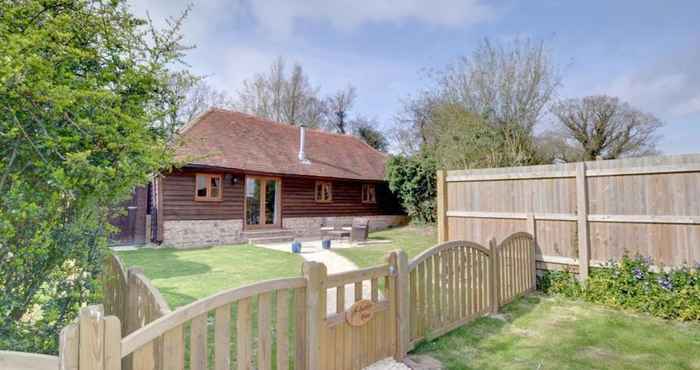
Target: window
{"points": [[208, 187], [368, 193], [324, 191]]}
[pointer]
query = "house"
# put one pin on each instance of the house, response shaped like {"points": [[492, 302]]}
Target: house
{"points": [[246, 178]]}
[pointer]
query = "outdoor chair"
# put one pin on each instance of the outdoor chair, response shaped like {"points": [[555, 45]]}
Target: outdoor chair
{"points": [[360, 229]]}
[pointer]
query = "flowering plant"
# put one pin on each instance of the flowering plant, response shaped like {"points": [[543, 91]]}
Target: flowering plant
{"points": [[634, 283]]}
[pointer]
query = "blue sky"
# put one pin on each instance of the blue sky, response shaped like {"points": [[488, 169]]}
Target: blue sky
{"points": [[645, 52]]}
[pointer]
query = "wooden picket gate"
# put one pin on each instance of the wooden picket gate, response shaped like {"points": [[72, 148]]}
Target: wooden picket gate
{"points": [[315, 321], [458, 281]]}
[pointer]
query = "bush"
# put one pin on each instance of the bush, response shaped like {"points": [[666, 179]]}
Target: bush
{"points": [[631, 284], [413, 180]]}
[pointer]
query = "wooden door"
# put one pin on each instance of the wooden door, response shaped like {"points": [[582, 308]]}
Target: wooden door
{"points": [[262, 202]]}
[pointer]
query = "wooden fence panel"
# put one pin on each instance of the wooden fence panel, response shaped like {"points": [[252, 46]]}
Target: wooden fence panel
{"points": [[584, 213], [381, 311], [515, 267], [455, 290]]}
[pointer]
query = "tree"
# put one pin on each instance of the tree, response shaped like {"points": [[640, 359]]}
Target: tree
{"points": [[189, 96], [462, 139], [281, 97], [82, 83], [365, 129], [506, 86], [413, 180], [337, 108], [605, 127]]}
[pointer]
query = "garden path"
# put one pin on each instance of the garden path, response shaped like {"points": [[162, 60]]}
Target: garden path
{"points": [[311, 251]]}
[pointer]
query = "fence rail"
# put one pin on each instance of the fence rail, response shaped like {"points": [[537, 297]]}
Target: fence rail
{"points": [[581, 213], [10, 360]]}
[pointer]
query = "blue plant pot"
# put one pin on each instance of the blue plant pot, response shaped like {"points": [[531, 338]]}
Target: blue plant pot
{"points": [[296, 247], [326, 244]]}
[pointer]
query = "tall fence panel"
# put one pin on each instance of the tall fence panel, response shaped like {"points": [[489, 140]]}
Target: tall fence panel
{"points": [[581, 213]]}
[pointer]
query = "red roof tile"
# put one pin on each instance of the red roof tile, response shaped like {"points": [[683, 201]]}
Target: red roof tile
{"points": [[234, 140]]}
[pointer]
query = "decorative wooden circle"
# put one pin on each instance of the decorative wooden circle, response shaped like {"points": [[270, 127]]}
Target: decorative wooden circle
{"points": [[360, 312]]}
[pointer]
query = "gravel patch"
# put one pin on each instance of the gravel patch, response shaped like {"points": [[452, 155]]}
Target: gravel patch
{"points": [[387, 364]]}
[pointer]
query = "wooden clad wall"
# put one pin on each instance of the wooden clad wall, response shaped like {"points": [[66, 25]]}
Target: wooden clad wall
{"points": [[179, 203], [132, 224], [298, 199], [594, 210]]}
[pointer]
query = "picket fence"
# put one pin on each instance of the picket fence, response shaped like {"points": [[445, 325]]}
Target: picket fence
{"points": [[289, 323]]}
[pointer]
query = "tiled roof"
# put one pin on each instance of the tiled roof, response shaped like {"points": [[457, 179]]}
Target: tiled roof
{"points": [[227, 139]]}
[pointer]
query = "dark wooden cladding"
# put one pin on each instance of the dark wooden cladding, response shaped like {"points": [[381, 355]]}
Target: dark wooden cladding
{"points": [[179, 203], [131, 224], [298, 199]]}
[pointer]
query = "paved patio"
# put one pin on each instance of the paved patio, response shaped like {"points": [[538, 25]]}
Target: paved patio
{"points": [[311, 250]]}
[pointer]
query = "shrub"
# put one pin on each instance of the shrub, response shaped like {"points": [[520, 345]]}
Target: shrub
{"points": [[413, 180], [632, 284]]}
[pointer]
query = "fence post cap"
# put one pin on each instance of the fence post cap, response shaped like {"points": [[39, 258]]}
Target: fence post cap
{"points": [[92, 311]]}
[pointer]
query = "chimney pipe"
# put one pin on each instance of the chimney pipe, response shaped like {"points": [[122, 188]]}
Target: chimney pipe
{"points": [[302, 139]]}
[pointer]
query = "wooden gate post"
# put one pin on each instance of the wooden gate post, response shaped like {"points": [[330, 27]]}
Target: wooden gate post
{"points": [[93, 343], [399, 261], [443, 229], [494, 274], [315, 274]]}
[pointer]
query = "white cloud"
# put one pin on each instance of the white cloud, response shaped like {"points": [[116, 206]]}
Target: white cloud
{"points": [[667, 87], [279, 16]]}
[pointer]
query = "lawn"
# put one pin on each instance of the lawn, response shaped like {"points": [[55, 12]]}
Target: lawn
{"points": [[413, 239], [183, 276], [536, 332], [540, 332]]}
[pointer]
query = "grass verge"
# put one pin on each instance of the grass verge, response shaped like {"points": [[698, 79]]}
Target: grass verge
{"points": [[541, 332]]}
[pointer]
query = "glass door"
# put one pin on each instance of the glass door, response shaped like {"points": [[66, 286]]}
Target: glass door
{"points": [[262, 201]]}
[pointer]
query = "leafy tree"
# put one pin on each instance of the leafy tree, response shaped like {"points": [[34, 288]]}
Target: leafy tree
{"points": [[504, 86], [604, 127], [365, 129], [413, 180], [373, 138], [462, 140], [82, 83]]}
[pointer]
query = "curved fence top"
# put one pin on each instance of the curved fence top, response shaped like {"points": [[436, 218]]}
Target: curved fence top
{"points": [[518, 235], [451, 244], [158, 299], [183, 314]]}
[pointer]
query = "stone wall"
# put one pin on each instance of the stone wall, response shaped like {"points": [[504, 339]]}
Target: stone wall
{"points": [[311, 226], [200, 233]]}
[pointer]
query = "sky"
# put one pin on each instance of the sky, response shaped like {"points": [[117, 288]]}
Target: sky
{"points": [[645, 52]]}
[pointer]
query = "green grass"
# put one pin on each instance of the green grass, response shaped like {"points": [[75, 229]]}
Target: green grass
{"points": [[540, 332], [413, 239], [183, 276]]}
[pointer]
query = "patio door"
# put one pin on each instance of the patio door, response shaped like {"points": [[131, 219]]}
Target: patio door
{"points": [[262, 202]]}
